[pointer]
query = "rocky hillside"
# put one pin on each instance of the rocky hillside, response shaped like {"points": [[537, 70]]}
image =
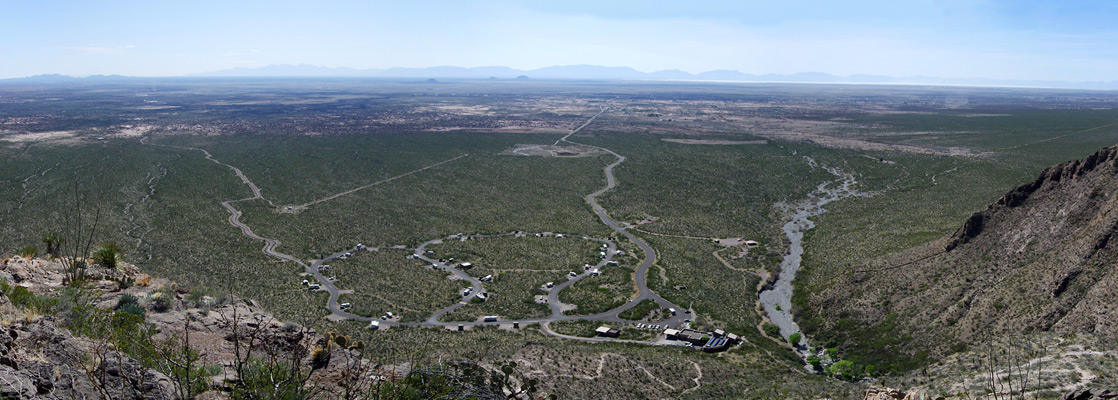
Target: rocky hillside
{"points": [[1041, 258], [124, 335]]}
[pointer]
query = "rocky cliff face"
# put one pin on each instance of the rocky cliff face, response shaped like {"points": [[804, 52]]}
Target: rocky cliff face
{"points": [[1043, 257], [41, 360]]}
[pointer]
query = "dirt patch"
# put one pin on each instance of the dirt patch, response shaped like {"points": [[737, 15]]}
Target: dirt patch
{"points": [[715, 142], [977, 115], [544, 150], [134, 131], [859, 144], [506, 129], [290, 209], [731, 242], [38, 136]]}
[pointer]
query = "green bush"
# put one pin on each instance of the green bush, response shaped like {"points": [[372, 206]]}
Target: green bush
{"points": [[794, 338], [160, 301], [269, 380], [771, 329], [23, 298], [843, 369], [816, 363]]}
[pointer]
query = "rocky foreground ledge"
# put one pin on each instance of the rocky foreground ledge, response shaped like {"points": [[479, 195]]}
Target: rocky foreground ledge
{"points": [[876, 393], [61, 342]]}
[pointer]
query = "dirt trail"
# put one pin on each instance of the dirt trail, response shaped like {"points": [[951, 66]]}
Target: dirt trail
{"points": [[386, 180], [151, 179], [599, 371], [579, 128], [1057, 137], [675, 236], [235, 215], [41, 173], [257, 194], [698, 377]]}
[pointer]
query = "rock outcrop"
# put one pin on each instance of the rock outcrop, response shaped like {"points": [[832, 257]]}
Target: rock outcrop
{"points": [[1089, 395], [876, 393], [40, 359], [1039, 258]]}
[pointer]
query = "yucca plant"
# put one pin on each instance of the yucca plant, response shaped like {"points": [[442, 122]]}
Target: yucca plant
{"points": [[107, 255], [29, 252], [53, 243]]}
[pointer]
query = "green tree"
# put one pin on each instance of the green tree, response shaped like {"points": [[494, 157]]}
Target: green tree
{"points": [[815, 362], [843, 369]]}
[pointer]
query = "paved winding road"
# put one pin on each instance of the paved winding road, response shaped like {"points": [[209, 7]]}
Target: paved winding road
{"points": [[555, 306]]}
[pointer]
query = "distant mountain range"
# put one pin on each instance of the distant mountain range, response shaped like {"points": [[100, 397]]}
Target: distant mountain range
{"points": [[588, 72], [597, 72]]}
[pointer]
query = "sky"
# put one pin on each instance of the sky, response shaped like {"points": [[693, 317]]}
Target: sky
{"points": [[1068, 40]]}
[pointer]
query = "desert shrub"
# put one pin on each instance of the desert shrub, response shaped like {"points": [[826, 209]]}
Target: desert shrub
{"points": [[269, 380], [203, 297], [639, 311], [23, 298], [771, 329], [29, 252], [160, 301]]}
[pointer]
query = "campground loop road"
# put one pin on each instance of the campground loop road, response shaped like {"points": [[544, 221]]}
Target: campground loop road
{"points": [[555, 306]]}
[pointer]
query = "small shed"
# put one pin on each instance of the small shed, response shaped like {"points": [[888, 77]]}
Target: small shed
{"points": [[732, 338]]}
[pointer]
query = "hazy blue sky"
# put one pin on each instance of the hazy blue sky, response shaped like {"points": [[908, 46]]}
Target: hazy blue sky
{"points": [[1059, 40]]}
